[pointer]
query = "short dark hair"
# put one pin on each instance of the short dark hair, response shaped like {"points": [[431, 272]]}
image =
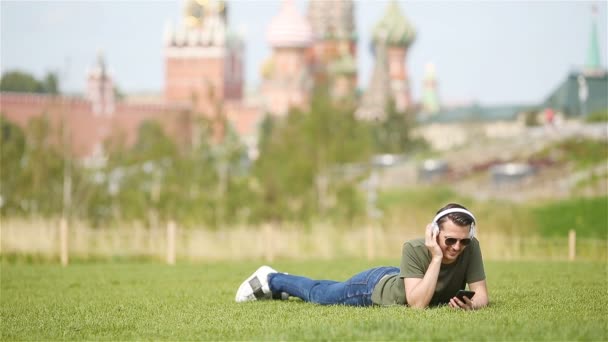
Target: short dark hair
{"points": [[460, 219]]}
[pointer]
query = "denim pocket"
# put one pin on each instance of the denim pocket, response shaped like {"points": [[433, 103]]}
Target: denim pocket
{"points": [[359, 288], [364, 277]]}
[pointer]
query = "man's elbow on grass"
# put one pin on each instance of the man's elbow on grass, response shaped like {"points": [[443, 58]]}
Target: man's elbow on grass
{"points": [[417, 305], [481, 299], [481, 303]]}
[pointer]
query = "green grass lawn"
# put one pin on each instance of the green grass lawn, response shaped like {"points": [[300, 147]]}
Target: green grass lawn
{"points": [[530, 301]]}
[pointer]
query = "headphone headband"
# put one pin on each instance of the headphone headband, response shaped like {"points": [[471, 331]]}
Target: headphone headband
{"points": [[454, 210]]}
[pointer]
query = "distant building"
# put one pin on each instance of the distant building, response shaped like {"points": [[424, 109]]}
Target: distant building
{"points": [[334, 50], [100, 89], [317, 49], [287, 74], [456, 126], [203, 77], [429, 103], [89, 122], [581, 93], [203, 58], [392, 37], [584, 91]]}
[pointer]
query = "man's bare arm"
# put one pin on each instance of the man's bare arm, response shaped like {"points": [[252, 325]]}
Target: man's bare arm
{"points": [[419, 291]]}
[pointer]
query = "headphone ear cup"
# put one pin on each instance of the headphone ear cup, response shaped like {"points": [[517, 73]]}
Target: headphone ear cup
{"points": [[435, 228], [472, 231]]}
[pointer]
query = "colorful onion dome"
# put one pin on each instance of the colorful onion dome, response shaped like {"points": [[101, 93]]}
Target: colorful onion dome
{"points": [[289, 28], [394, 29], [345, 65]]}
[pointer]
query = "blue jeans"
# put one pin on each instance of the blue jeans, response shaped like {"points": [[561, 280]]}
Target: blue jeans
{"points": [[356, 291]]}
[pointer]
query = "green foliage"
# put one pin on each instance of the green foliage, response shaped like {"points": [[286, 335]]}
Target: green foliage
{"points": [[598, 116], [293, 174], [32, 169], [19, 81], [587, 216], [392, 135], [50, 84], [425, 198], [304, 171], [11, 158], [532, 301], [579, 151]]}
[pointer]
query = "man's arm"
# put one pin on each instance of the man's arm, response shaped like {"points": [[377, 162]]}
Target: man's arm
{"points": [[481, 298], [479, 301], [419, 291]]}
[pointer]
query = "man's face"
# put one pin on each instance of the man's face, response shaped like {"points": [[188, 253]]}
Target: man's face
{"points": [[451, 230]]}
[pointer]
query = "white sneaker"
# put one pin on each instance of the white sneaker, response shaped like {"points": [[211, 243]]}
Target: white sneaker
{"points": [[256, 286]]}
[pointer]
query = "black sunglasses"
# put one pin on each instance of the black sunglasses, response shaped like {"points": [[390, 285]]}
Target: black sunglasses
{"points": [[452, 241]]}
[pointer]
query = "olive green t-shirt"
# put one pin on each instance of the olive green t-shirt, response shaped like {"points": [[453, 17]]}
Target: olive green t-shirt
{"points": [[415, 260]]}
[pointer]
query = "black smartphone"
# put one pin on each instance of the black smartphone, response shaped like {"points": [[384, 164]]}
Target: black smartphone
{"points": [[463, 293]]}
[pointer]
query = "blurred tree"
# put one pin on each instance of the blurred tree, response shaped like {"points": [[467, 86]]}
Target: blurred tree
{"points": [[299, 154], [598, 116], [50, 84], [11, 157], [42, 169], [19, 81], [148, 162], [393, 134]]}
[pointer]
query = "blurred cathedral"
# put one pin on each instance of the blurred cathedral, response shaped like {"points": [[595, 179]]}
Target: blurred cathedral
{"points": [[204, 77], [391, 39], [320, 49], [203, 58], [308, 51]]}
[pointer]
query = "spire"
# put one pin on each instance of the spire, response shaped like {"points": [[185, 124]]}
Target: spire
{"points": [[593, 53], [100, 87], [394, 29], [377, 94], [430, 98], [99, 69]]}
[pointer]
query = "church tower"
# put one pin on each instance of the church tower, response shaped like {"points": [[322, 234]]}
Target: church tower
{"points": [[100, 89], [594, 59], [286, 75], [430, 96], [334, 42], [391, 39], [203, 60]]}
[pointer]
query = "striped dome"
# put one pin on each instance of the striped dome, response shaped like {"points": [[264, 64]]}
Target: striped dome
{"points": [[289, 28], [394, 28]]}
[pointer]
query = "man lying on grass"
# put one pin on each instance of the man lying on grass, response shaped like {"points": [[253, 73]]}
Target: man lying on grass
{"points": [[432, 272]]}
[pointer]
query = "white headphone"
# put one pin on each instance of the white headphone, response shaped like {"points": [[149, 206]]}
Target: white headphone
{"points": [[454, 210]]}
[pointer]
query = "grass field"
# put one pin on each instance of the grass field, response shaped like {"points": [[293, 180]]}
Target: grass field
{"points": [[529, 301]]}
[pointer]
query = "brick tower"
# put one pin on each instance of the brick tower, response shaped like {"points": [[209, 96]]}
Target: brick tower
{"points": [[100, 89], [287, 80], [334, 50], [203, 60], [392, 37]]}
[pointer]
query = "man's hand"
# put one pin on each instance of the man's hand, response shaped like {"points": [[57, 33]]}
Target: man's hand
{"points": [[430, 241], [456, 303]]}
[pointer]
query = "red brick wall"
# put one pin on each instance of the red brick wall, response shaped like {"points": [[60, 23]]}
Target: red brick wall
{"points": [[187, 79], [87, 129]]}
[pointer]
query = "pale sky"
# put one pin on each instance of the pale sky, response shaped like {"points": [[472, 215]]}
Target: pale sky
{"points": [[492, 52]]}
